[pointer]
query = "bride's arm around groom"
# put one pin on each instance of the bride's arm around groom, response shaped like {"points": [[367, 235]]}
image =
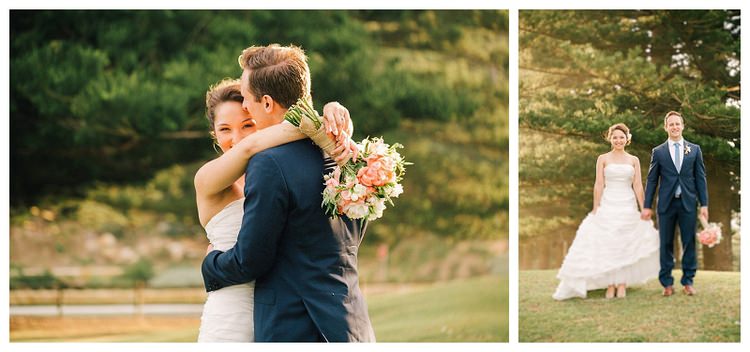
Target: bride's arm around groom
{"points": [[304, 263]]}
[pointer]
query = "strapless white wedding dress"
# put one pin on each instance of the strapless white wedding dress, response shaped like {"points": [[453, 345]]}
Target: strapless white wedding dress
{"points": [[228, 312], [614, 245]]}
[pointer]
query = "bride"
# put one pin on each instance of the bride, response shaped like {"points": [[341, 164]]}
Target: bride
{"points": [[228, 312], [613, 247]]}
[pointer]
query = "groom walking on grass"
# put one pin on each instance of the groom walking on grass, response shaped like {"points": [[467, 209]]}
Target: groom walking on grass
{"points": [[677, 168], [304, 263]]}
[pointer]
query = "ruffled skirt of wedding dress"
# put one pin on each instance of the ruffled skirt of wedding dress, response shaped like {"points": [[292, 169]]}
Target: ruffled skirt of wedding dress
{"points": [[228, 315], [613, 246]]}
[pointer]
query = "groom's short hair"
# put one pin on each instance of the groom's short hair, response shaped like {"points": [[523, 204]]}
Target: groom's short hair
{"points": [[280, 72], [675, 113]]}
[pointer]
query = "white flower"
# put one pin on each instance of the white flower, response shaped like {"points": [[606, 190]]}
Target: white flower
{"points": [[687, 150], [396, 190], [356, 210], [374, 216], [329, 194], [357, 192], [378, 206], [376, 146], [380, 149], [630, 136]]}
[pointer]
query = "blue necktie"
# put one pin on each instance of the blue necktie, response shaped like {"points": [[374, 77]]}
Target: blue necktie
{"points": [[677, 165]]}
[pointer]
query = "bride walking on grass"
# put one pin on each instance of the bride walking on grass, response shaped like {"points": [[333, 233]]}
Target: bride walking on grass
{"points": [[613, 247]]}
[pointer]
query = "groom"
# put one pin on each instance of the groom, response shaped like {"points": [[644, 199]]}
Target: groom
{"points": [[304, 264], [677, 168]]}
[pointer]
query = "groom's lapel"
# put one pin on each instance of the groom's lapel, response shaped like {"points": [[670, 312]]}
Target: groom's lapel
{"points": [[668, 157]]}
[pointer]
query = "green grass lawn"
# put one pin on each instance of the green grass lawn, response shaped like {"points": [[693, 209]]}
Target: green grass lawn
{"points": [[713, 315], [465, 310], [471, 310]]}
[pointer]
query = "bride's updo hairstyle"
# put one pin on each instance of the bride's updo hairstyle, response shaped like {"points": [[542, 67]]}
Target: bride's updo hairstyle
{"points": [[225, 90], [621, 127]]}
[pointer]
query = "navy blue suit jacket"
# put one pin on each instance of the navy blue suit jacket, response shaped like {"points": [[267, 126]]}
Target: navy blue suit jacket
{"points": [[662, 172], [304, 263]]}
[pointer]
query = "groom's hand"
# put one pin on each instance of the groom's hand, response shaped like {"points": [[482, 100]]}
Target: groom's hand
{"points": [[704, 212], [646, 214]]}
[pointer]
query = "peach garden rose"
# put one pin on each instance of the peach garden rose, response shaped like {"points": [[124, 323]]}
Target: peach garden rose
{"points": [[358, 189]]}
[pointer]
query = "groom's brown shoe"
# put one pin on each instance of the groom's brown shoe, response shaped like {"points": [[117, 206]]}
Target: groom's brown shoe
{"points": [[668, 291], [689, 290]]}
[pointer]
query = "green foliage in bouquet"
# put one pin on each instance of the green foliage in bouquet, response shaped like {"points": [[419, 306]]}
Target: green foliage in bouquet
{"points": [[302, 109]]}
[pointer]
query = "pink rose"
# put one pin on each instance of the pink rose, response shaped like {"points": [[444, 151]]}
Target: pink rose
{"points": [[378, 172], [710, 236], [372, 158], [332, 183], [379, 161], [390, 177], [368, 176], [336, 173], [342, 204], [388, 163]]}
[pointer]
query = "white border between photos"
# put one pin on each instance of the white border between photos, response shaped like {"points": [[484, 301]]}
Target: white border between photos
{"points": [[5, 172], [372, 4]]}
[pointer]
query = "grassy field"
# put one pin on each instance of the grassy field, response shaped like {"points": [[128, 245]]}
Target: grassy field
{"points": [[713, 315], [466, 310], [196, 295], [103, 329], [463, 310]]}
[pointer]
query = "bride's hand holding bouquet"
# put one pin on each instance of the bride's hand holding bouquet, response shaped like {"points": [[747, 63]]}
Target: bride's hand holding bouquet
{"points": [[360, 187]]}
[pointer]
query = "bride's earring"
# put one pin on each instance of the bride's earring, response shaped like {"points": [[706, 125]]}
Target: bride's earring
{"points": [[217, 147]]}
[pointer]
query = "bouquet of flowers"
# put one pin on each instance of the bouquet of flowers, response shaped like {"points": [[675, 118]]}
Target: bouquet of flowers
{"points": [[303, 116], [711, 233], [358, 189]]}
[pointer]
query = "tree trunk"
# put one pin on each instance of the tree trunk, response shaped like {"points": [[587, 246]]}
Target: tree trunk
{"points": [[138, 298], [59, 299], [720, 211]]}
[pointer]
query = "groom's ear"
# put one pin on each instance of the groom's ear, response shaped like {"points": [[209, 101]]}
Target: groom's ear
{"points": [[267, 101]]}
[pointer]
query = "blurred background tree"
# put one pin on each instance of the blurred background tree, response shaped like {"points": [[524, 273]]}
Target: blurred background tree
{"points": [[117, 95], [582, 71], [107, 129], [139, 274]]}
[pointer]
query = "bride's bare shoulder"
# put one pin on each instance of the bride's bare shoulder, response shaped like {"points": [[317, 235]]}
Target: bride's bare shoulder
{"points": [[634, 159], [602, 158]]}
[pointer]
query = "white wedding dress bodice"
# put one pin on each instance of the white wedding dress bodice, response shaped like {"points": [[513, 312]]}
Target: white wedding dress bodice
{"points": [[228, 312], [614, 245]]}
